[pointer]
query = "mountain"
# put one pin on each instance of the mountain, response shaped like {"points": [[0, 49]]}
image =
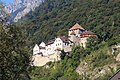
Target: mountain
{"points": [[20, 8]]}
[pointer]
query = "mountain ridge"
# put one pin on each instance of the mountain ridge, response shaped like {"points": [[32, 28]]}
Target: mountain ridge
{"points": [[20, 8]]}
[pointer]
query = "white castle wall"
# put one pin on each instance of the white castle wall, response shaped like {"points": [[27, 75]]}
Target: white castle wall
{"points": [[36, 50]]}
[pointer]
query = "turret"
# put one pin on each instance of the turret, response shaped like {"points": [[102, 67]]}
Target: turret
{"points": [[36, 50], [77, 29]]}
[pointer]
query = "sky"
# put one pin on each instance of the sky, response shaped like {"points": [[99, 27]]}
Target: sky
{"points": [[7, 1]]}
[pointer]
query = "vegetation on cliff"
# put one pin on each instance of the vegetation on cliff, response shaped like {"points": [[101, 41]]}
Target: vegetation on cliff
{"points": [[81, 64]]}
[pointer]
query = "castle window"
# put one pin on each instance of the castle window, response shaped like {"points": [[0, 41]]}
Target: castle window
{"points": [[65, 44]]}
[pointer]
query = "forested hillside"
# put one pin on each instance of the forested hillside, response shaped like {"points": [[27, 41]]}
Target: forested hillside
{"points": [[55, 17], [98, 61]]}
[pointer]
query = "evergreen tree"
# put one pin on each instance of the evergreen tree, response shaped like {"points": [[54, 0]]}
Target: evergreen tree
{"points": [[14, 54]]}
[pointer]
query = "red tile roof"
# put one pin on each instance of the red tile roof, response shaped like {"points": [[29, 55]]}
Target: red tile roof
{"points": [[64, 39], [50, 42], [77, 26], [58, 49]]}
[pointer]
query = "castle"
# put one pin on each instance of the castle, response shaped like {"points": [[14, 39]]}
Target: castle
{"points": [[51, 50]]}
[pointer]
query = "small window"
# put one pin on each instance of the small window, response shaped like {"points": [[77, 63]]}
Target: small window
{"points": [[65, 43]]}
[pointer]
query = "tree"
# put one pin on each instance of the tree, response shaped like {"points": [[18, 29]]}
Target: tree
{"points": [[14, 54], [92, 42], [14, 51], [63, 54], [114, 40]]}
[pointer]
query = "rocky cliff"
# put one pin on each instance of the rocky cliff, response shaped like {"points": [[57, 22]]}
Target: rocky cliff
{"points": [[20, 8]]}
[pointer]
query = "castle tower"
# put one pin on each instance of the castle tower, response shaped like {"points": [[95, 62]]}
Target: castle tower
{"points": [[72, 36], [77, 29], [42, 44], [36, 49], [75, 32]]}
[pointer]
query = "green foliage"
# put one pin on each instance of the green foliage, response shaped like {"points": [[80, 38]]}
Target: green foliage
{"points": [[114, 40], [66, 68], [92, 43], [63, 70], [100, 57], [14, 54], [62, 55], [55, 17]]}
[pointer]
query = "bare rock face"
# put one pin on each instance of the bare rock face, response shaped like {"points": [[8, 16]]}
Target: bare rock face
{"points": [[20, 8], [92, 74], [118, 57]]}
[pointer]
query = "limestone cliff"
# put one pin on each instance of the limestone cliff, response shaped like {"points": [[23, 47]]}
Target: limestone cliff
{"points": [[20, 8]]}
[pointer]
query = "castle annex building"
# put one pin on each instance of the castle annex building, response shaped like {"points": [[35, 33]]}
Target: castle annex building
{"points": [[50, 51]]}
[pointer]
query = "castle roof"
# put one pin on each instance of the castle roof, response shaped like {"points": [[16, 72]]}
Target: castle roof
{"points": [[50, 42], [58, 49], [64, 39], [87, 33], [36, 46], [77, 26]]}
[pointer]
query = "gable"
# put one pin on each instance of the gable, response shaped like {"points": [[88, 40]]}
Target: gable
{"points": [[77, 26], [42, 44], [36, 47]]}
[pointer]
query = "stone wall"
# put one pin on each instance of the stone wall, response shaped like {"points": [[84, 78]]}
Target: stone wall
{"points": [[39, 60]]}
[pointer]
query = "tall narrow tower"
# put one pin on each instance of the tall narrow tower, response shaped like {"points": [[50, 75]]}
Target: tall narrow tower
{"points": [[75, 32]]}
